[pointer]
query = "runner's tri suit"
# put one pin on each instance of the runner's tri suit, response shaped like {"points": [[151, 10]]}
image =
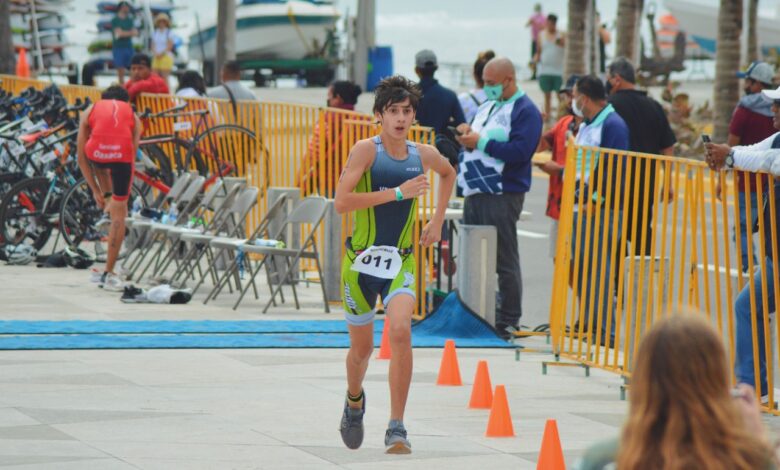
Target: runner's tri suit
{"points": [[110, 143], [379, 259]]}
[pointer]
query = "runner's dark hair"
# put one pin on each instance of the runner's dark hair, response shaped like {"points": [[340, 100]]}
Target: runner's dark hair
{"points": [[115, 92], [395, 89]]}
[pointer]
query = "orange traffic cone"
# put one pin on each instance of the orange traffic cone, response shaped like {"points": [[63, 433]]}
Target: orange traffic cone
{"points": [[500, 422], [481, 391], [384, 346], [449, 372], [22, 67], [551, 454]]}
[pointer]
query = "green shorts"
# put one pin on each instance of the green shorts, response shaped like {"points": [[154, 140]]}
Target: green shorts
{"points": [[550, 83], [360, 290]]}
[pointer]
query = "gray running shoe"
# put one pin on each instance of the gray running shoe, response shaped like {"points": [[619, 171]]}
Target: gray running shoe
{"points": [[352, 424], [396, 441]]}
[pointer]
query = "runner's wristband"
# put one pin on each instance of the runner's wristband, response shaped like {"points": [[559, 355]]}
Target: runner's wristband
{"points": [[399, 196]]}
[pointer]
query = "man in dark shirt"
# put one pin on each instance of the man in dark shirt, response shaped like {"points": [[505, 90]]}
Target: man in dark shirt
{"points": [[439, 106], [649, 133]]}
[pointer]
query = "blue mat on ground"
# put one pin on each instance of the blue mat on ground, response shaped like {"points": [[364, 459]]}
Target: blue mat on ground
{"points": [[452, 320]]}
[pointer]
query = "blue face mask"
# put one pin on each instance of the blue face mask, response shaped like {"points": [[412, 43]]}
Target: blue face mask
{"points": [[493, 92]]}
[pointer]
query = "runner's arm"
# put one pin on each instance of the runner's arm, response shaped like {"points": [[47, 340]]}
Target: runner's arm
{"points": [[81, 156], [433, 160], [360, 159], [136, 135]]}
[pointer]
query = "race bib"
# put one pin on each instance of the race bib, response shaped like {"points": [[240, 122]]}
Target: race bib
{"points": [[379, 261]]}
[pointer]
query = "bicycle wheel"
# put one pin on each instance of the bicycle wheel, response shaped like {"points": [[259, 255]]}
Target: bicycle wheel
{"points": [[176, 151], [234, 144], [79, 216], [26, 216], [162, 164]]}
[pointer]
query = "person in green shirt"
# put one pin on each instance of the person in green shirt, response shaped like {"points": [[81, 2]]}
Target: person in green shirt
{"points": [[122, 32]]}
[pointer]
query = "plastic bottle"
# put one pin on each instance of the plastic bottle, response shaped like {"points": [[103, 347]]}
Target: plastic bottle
{"points": [[138, 204], [271, 243], [173, 214]]}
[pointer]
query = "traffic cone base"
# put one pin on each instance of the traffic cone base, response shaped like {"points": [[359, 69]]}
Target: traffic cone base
{"points": [[551, 453], [482, 390], [449, 372], [384, 346], [500, 421]]}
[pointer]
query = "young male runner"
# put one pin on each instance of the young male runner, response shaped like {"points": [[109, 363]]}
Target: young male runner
{"points": [[108, 138], [381, 182]]}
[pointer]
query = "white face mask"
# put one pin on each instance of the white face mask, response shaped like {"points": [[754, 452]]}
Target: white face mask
{"points": [[575, 107]]}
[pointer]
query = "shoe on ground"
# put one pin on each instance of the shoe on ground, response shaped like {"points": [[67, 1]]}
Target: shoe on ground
{"points": [[113, 283], [396, 441], [351, 427], [97, 276], [133, 294]]}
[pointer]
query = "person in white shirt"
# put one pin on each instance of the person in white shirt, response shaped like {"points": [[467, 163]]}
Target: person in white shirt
{"points": [[162, 46], [470, 101], [762, 156]]}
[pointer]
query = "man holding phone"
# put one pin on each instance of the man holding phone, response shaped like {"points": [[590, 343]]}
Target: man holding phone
{"points": [[762, 156], [495, 174]]}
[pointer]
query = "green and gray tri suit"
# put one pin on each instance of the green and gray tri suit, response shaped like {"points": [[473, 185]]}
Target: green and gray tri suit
{"points": [[389, 224]]}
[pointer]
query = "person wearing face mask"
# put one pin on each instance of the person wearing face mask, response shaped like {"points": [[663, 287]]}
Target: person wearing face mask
{"points": [[342, 95], [650, 133], [555, 140], [751, 123], [495, 174], [602, 127]]}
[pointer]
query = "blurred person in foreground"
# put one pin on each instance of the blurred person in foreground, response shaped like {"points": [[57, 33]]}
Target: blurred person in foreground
{"points": [[683, 414]]}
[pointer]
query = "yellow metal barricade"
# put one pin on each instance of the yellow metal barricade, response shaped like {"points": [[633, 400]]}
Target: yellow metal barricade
{"points": [[16, 85], [641, 236]]}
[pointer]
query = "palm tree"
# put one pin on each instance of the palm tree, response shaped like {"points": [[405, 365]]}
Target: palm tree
{"points": [[727, 61], [752, 35], [575, 38], [7, 59], [629, 17]]}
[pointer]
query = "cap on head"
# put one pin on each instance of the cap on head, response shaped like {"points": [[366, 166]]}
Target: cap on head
{"points": [[425, 59], [772, 94], [569, 85], [760, 72]]}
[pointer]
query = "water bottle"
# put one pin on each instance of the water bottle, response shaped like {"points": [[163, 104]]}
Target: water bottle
{"points": [[138, 204], [173, 214], [271, 243]]}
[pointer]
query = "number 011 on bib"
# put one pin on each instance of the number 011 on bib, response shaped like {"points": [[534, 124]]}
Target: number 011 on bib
{"points": [[378, 261]]}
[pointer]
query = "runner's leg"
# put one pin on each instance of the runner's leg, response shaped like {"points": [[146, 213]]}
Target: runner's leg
{"points": [[360, 349], [116, 235], [399, 313]]}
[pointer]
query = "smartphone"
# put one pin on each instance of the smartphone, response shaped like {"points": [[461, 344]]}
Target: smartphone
{"points": [[454, 130], [706, 138]]}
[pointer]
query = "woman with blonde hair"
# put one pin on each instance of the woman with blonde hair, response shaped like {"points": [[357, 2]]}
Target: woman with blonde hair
{"points": [[683, 414]]}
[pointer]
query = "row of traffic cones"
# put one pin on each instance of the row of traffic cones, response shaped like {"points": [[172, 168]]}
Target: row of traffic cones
{"points": [[483, 397]]}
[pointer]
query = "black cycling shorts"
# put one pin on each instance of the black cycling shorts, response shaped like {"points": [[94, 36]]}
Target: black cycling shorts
{"points": [[121, 178]]}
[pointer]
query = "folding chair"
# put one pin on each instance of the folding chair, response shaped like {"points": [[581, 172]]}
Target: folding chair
{"points": [[153, 229], [231, 225], [311, 210], [227, 246]]}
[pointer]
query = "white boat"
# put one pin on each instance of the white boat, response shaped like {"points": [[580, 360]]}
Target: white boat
{"points": [[699, 20], [271, 29]]}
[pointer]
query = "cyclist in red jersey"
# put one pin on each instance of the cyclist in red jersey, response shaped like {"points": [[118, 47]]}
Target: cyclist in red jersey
{"points": [[107, 143]]}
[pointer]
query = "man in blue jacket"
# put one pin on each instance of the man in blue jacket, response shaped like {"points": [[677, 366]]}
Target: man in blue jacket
{"points": [[495, 174], [599, 199], [439, 106]]}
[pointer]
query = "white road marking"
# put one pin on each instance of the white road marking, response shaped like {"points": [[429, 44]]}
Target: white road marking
{"points": [[527, 234]]}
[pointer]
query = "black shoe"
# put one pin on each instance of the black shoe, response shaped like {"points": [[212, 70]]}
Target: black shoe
{"points": [[351, 427]]}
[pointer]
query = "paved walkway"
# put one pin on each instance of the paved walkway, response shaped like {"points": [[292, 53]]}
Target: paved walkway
{"points": [[253, 408]]}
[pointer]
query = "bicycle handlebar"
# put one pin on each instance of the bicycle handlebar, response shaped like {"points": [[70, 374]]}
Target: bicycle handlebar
{"points": [[148, 112]]}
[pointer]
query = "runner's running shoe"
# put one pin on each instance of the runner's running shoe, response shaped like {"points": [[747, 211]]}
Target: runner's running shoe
{"points": [[352, 424], [396, 441]]}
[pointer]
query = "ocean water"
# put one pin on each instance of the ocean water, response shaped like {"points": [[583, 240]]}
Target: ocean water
{"points": [[456, 30]]}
